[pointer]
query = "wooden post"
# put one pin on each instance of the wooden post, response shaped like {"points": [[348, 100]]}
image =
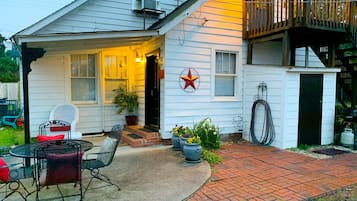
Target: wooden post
{"points": [[331, 55], [285, 49], [354, 90], [28, 55], [250, 53]]}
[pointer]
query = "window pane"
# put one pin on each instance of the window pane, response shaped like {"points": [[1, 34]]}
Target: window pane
{"points": [[74, 65], [91, 65], [224, 86], [83, 66], [110, 86], [225, 63], [218, 62], [232, 62], [83, 89]]}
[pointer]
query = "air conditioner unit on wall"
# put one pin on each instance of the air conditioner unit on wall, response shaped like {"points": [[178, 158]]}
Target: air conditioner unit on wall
{"points": [[146, 4]]}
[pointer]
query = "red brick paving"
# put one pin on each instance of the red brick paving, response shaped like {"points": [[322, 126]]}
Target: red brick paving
{"points": [[251, 172]]}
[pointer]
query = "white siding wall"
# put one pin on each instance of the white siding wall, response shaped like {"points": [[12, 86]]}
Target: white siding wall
{"points": [[191, 44], [283, 97], [49, 85], [269, 53], [104, 15], [275, 79], [46, 88], [291, 106]]}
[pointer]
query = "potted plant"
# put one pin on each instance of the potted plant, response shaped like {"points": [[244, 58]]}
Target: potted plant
{"points": [[192, 149], [177, 132], [127, 101]]}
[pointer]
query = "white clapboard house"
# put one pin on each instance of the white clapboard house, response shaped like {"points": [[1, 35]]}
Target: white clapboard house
{"points": [[187, 60]]}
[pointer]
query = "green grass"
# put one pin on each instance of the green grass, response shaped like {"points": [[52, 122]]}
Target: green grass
{"points": [[10, 136]]}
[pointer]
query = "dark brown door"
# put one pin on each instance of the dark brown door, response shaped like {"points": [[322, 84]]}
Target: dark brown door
{"points": [[310, 109], [152, 94]]}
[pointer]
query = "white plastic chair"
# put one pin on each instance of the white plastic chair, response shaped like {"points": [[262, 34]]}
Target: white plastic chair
{"points": [[68, 113]]}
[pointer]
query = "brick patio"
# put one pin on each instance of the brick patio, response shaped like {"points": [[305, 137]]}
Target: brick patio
{"points": [[251, 172]]}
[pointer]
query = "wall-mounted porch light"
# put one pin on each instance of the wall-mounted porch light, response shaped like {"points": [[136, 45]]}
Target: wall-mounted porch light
{"points": [[137, 57]]}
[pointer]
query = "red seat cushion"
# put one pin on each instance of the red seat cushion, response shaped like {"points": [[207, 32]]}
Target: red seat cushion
{"points": [[62, 168], [4, 171], [60, 128], [42, 138]]}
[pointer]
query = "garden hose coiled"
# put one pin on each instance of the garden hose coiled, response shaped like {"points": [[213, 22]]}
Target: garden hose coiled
{"points": [[268, 136]]}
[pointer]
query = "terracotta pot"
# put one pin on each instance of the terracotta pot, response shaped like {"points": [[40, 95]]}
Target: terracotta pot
{"points": [[131, 120]]}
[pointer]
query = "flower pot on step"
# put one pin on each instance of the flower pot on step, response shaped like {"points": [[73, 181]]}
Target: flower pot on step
{"points": [[192, 152]]}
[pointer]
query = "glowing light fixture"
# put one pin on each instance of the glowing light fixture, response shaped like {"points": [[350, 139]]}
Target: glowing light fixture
{"points": [[137, 57]]}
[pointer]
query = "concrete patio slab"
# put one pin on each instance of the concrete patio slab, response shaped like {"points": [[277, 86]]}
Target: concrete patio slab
{"points": [[155, 173]]}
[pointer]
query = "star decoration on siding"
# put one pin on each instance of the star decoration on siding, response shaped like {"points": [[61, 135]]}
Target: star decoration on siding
{"points": [[189, 79]]}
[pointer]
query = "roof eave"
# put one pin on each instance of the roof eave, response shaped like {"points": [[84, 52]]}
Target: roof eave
{"points": [[83, 36]]}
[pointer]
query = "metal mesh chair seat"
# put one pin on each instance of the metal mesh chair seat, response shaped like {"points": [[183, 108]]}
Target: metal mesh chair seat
{"points": [[96, 161], [92, 164]]}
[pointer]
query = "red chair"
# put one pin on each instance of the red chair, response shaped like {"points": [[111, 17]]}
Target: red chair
{"points": [[11, 175]]}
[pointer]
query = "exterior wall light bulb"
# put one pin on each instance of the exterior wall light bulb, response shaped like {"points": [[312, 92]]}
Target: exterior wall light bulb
{"points": [[137, 58]]}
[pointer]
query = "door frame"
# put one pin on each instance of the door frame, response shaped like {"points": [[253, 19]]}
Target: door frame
{"points": [[310, 122], [156, 81]]}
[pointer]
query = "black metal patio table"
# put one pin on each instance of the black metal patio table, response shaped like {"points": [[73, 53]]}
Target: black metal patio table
{"points": [[28, 150]]}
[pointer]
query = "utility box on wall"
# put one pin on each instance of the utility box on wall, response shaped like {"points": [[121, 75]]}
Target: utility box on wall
{"points": [[146, 4]]}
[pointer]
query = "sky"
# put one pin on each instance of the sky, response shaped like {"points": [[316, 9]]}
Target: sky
{"points": [[15, 15]]}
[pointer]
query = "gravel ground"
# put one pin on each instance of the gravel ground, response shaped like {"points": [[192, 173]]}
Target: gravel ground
{"points": [[345, 194]]}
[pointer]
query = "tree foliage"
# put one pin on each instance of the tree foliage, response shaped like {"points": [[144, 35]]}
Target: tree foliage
{"points": [[9, 70]]}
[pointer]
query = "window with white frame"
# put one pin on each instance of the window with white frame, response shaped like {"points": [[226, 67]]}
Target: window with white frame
{"points": [[225, 74], [83, 77], [115, 75]]}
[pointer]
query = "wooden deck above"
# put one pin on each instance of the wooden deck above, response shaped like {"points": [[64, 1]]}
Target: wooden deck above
{"points": [[268, 17]]}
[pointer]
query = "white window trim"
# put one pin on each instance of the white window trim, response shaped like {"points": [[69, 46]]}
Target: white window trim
{"points": [[97, 78], [237, 81]]}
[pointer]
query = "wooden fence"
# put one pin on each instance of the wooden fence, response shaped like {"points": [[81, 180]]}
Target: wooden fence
{"points": [[10, 90]]}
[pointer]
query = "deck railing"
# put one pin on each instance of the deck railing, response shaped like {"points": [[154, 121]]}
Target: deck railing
{"points": [[264, 17]]}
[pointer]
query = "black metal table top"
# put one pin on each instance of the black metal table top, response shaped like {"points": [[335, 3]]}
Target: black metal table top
{"points": [[28, 150]]}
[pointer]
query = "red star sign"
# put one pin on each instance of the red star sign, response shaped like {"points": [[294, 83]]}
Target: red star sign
{"points": [[189, 80]]}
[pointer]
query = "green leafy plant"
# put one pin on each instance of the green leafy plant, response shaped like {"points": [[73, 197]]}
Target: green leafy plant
{"points": [[211, 157], [126, 100], [208, 133]]}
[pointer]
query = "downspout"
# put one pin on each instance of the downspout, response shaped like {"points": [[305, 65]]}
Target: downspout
{"points": [[28, 55]]}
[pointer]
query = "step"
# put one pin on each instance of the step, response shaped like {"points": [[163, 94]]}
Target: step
{"points": [[137, 136]]}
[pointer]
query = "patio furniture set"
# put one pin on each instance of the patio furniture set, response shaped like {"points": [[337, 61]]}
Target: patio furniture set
{"points": [[10, 114], [56, 159]]}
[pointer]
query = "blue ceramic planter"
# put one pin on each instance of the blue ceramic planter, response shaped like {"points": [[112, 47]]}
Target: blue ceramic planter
{"points": [[175, 143], [192, 152]]}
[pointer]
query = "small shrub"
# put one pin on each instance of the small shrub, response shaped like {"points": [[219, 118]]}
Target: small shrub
{"points": [[211, 157], [208, 133]]}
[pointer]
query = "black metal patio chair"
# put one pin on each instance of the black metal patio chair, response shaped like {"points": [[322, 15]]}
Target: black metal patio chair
{"points": [[58, 162], [96, 161]]}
